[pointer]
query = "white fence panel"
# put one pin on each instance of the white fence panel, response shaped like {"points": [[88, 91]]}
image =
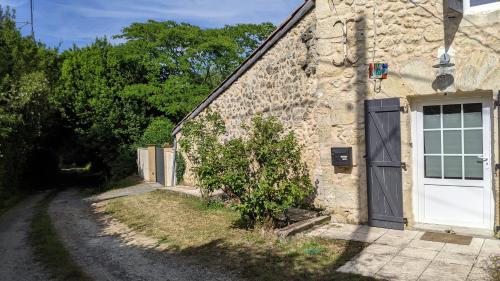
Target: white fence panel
{"points": [[143, 163]]}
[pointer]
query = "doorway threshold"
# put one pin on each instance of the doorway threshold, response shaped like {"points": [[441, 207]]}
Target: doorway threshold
{"points": [[476, 232]]}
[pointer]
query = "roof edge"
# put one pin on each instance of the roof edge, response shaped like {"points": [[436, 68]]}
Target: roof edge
{"points": [[281, 31]]}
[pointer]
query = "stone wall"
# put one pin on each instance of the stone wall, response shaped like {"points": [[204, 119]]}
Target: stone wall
{"points": [[280, 84], [410, 38], [318, 90]]}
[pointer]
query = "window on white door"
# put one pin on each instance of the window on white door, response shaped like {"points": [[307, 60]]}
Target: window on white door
{"points": [[474, 6], [453, 141], [474, 3]]}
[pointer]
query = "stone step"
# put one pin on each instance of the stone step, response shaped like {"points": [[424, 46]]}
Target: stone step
{"points": [[286, 232]]}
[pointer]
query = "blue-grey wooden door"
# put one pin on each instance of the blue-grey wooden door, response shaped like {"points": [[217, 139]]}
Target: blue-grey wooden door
{"points": [[160, 166], [383, 161]]}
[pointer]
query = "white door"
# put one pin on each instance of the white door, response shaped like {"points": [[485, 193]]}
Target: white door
{"points": [[454, 163]]}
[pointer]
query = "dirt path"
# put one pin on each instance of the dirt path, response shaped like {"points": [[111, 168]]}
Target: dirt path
{"points": [[128, 191], [16, 256], [106, 256]]}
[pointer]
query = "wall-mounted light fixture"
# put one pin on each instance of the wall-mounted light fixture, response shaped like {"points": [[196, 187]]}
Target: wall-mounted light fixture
{"points": [[444, 67], [444, 73]]}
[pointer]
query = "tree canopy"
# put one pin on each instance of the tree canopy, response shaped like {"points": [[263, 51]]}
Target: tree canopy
{"points": [[28, 72], [100, 102]]}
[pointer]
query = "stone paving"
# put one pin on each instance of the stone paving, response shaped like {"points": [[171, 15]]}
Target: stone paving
{"points": [[401, 255]]}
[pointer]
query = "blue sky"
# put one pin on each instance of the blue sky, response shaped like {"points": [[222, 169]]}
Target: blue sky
{"points": [[64, 22]]}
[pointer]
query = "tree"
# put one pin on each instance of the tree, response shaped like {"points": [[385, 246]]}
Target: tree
{"points": [[111, 94], [28, 73]]}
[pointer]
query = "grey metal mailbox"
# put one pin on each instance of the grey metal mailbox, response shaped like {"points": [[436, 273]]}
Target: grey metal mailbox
{"points": [[342, 156]]}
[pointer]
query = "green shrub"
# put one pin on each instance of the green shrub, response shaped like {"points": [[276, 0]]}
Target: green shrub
{"points": [[277, 179], [262, 170], [123, 165], [200, 141], [159, 132]]}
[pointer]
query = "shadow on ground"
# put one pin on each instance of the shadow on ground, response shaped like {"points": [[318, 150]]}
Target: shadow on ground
{"points": [[267, 265], [250, 258]]}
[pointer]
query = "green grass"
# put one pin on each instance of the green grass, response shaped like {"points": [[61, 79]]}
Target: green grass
{"points": [[211, 236], [48, 248], [126, 182]]}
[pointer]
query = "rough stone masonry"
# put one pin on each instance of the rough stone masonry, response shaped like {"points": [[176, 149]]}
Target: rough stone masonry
{"points": [[317, 90]]}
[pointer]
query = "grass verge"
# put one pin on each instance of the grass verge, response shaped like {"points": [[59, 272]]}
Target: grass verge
{"points": [[48, 248], [125, 182], [211, 236]]}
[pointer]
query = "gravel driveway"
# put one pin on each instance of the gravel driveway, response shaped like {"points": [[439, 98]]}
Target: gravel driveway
{"points": [[16, 256], [107, 256]]}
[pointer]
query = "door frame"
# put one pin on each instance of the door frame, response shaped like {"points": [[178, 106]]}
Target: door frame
{"points": [[417, 146]]}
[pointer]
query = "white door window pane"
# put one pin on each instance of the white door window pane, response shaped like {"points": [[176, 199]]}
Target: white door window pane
{"points": [[432, 142], [432, 117], [452, 116], [473, 116], [432, 166], [474, 3], [473, 141], [452, 142], [473, 168], [453, 167]]}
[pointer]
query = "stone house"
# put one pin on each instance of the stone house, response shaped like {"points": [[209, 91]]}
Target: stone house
{"points": [[417, 149]]}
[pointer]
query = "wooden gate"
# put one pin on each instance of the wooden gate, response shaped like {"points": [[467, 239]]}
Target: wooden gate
{"points": [[383, 161], [160, 166]]}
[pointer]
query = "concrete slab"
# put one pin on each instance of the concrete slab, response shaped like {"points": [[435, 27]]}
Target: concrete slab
{"points": [[490, 247], [378, 249], [369, 229], [445, 271], [403, 268], [355, 236], [397, 239], [418, 253], [401, 255], [478, 274], [365, 264], [458, 230], [455, 258], [403, 233], [428, 245], [482, 261], [473, 249]]}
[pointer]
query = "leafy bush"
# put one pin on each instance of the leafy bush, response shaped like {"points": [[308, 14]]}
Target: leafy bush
{"points": [[159, 132], [277, 178], [123, 165], [263, 170], [200, 140]]}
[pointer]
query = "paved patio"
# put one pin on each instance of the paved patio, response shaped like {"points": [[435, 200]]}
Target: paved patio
{"points": [[401, 255]]}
